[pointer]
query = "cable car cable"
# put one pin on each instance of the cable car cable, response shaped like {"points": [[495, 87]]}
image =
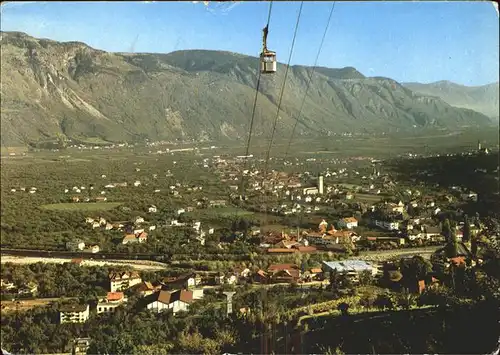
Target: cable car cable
{"points": [[283, 87], [310, 79], [266, 166], [242, 188]]}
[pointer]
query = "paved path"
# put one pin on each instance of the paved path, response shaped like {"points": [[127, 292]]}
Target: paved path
{"points": [[25, 304], [156, 266], [388, 254], [136, 264]]}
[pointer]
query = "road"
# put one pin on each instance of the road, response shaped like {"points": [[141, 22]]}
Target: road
{"points": [[23, 305], [136, 264], [388, 254], [156, 266]]}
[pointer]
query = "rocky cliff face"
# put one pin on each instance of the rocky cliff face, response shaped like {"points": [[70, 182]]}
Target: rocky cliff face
{"points": [[51, 88], [483, 99]]}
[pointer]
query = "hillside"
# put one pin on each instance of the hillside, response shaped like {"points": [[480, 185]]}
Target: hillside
{"points": [[482, 99], [52, 89]]}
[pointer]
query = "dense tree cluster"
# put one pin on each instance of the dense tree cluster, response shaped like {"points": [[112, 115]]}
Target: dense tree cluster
{"points": [[61, 280]]}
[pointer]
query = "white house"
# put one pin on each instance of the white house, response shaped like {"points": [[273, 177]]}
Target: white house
{"points": [[94, 249], [231, 280], [197, 225], [349, 223], [152, 209], [74, 313], [139, 220], [310, 191], [192, 282], [137, 183], [389, 225], [176, 223], [111, 302], [123, 280], [431, 231], [176, 301], [152, 228], [76, 244], [180, 211]]}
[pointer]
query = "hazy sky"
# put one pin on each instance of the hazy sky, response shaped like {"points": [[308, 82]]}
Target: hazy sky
{"points": [[406, 41]]}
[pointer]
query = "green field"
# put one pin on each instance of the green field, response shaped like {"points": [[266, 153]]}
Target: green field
{"points": [[224, 212], [368, 198], [81, 206]]}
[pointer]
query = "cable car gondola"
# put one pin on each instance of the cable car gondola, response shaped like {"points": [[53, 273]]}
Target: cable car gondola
{"points": [[267, 57]]}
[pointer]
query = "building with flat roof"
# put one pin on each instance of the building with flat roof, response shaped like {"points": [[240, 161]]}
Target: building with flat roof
{"points": [[74, 313], [349, 267]]}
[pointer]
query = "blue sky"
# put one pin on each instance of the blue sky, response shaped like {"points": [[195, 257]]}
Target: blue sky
{"points": [[406, 41]]}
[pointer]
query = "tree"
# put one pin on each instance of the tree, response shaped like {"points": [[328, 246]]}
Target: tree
{"points": [[385, 301], [452, 245], [155, 349], [365, 278], [466, 232], [451, 238], [343, 308], [446, 230], [243, 225], [406, 300], [225, 337], [367, 300], [194, 343], [339, 281], [473, 246], [415, 269], [334, 281]]}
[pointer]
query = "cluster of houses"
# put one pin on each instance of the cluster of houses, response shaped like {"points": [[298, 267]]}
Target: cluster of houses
{"points": [[157, 298], [32, 190], [326, 238], [88, 197], [176, 294], [134, 232], [79, 245]]}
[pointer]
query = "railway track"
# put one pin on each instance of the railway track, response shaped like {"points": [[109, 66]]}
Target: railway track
{"points": [[167, 259]]}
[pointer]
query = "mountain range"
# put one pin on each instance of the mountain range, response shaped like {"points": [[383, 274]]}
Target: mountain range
{"points": [[56, 89], [482, 99]]}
